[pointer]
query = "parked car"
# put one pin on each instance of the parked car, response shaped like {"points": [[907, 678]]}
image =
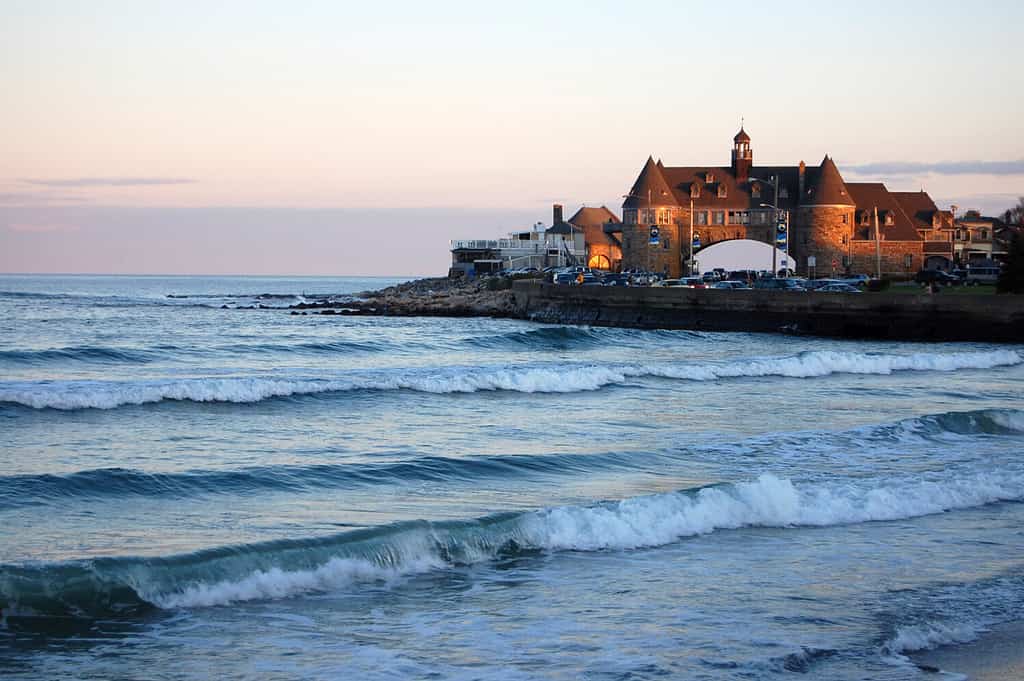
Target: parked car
{"points": [[778, 284], [856, 280], [815, 284], [936, 277], [730, 284], [666, 283], [563, 278], [981, 275], [838, 287]]}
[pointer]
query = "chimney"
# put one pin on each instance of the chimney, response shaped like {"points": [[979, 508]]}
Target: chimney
{"points": [[803, 172], [556, 214]]}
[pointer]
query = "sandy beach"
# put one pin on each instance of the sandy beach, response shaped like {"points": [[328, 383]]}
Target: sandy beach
{"points": [[997, 655]]}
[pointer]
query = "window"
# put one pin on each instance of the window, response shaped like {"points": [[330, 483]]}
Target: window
{"points": [[739, 217], [722, 191], [666, 243], [755, 190], [846, 261], [664, 217], [889, 219], [908, 260], [984, 234], [647, 216], [718, 217], [846, 239], [760, 217], [701, 217], [629, 216], [695, 190], [846, 220], [709, 178], [783, 193]]}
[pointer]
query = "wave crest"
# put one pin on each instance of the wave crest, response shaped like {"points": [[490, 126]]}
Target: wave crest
{"points": [[528, 379]]}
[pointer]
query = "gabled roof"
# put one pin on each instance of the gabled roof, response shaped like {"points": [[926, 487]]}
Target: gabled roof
{"points": [[650, 189], [588, 215], [918, 206], [828, 188], [871, 195]]}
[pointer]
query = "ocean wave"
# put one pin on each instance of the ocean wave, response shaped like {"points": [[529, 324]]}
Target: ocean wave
{"points": [[527, 379], [85, 353], [286, 568], [929, 635], [33, 490], [568, 337]]}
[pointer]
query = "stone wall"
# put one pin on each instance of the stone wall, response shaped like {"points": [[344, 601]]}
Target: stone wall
{"points": [[893, 255], [821, 232], [894, 316]]}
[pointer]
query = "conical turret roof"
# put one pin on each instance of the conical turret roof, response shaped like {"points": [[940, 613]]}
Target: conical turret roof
{"points": [[741, 136], [650, 189], [828, 188]]}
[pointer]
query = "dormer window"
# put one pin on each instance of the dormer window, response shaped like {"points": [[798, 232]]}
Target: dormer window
{"points": [[889, 220], [709, 177], [722, 192], [695, 190], [783, 193], [755, 190]]}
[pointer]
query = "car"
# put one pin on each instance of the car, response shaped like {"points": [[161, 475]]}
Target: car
{"points": [[778, 284], [838, 287], [730, 284], [936, 277], [981, 275], [563, 278], [856, 280], [668, 283], [815, 284]]}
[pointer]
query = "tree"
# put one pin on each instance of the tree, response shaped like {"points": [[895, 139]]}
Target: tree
{"points": [[1011, 279], [1015, 216]]}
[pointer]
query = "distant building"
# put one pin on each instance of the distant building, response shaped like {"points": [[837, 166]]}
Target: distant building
{"points": [[601, 231], [561, 244], [980, 240], [831, 221]]}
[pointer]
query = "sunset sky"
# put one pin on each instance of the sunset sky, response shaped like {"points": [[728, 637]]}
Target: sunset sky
{"points": [[358, 138]]}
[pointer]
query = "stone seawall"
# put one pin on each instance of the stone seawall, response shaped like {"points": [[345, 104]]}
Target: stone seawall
{"points": [[893, 316]]}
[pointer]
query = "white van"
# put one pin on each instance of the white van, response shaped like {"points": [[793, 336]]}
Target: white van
{"points": [[981, 275]]}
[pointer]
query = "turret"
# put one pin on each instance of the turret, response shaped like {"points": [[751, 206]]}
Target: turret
{"points": [[742, 156]]}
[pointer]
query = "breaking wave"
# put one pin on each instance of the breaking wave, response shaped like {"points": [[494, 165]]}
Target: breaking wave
{"points": [[527, 379], [286, 568]]}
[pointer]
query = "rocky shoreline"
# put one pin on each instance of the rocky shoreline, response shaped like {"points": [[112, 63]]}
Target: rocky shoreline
{"points": [[431, 297]]}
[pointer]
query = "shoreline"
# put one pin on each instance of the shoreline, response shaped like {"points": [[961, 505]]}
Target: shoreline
{"points": [[882, 316], [996, 655]]}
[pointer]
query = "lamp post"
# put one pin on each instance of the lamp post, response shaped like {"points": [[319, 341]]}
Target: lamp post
{"points": [[779, 214]]}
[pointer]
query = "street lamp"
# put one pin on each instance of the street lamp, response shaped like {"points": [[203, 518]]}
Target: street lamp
{"points": [[779, 213]]}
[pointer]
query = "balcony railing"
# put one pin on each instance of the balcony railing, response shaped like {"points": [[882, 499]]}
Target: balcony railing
{"points": [[514, 246]]}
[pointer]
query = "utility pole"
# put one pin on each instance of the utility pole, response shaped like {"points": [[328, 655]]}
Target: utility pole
{"points": [[690, 267], [775, 227], [878, 248]]}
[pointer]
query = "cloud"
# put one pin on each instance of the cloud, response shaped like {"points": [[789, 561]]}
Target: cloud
{"points": [[41, 228], [109, 181], [941, 168], [36, 198]]}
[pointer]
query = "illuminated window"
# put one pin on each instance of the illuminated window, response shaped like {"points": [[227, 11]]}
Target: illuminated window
{"points": [[721, 191], [701, 217], [664, 217], [755, 190], [718, 217]]}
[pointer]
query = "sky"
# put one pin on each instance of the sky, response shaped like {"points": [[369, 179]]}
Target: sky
{"points": [[351, 138]]}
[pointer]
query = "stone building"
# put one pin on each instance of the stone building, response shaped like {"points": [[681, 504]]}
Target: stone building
{"points": [[601, 230], [831, 221]]}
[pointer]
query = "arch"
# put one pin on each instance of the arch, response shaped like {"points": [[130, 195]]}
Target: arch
{"points": [[599, 261]]}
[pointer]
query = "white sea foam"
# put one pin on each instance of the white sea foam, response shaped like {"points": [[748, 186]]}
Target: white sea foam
{"points": [[639, 522], [535, 379], [275, 583], [932, 635]]}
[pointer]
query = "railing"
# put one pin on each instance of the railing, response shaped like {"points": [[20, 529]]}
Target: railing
{"points": [[517, 245]]}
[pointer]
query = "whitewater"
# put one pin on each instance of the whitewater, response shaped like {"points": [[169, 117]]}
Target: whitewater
{"points": [[202, 489]]}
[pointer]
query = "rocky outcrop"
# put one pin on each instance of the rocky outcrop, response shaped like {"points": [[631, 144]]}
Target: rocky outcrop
{"points": [[434, 297]]}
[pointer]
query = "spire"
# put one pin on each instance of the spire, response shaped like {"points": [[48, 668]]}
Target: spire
{"points": [[828, 187], [650, 189]]}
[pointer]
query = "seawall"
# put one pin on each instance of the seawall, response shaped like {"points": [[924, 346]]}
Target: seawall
{"points": [[894, 316]]}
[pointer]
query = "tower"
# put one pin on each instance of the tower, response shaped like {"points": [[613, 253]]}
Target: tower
{"points": [[742, 156]]}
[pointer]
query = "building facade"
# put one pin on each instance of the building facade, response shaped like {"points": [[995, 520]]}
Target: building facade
{"points": [[833, 226]]}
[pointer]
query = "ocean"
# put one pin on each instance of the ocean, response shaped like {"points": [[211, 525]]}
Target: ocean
{"points": [[198, 484]]}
